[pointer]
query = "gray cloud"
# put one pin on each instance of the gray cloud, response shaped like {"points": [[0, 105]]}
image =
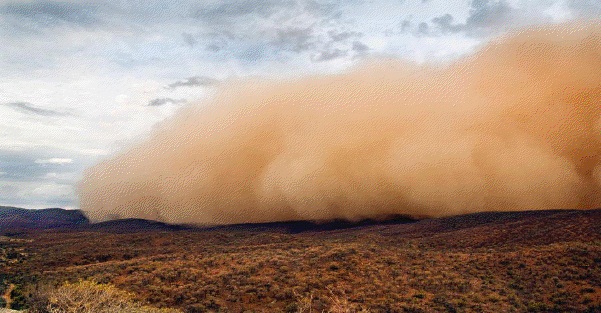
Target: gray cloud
{"points": [[360, 47], [487, 13], [49, 13], [189, 39], [194, 81], [6, 190], [586, 8], [260, 30], [37, 195], [329, 55], [246, 31], [23, 166], [423, 28], [405, 25], [445, 24], [343, 35], [328, 7], [303, 39], [252, 53], [213, 47], [10, 194], [295, 39], [29, 108], [225, 11], [485, 17], [163, 101]]}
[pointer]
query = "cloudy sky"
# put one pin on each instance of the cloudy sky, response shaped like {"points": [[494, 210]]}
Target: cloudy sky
{"points": [[80, 80]]}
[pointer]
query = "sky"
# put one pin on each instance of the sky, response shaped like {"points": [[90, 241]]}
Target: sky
{"points": [[82, 80]]}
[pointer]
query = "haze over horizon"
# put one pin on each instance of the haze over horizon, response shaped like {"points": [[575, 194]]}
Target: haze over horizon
{"points": [[82, 81]]}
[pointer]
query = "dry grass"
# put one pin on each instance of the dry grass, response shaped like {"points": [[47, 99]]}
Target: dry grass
{"points": [[89, 297], [501, 263]]}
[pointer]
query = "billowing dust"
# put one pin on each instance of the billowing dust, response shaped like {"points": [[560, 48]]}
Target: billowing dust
{"points": [[515, 126]]}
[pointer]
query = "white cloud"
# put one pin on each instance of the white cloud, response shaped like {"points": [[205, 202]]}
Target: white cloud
{"points": [[559, 12], [61, 176], [93, 152], [52, 191], [54, 161]]}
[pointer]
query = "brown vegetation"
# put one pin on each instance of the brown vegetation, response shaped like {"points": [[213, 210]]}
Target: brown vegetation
{"points": [[488, 262], [88, 297]]}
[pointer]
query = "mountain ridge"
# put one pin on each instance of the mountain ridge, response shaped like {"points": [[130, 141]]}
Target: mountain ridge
{"points": [[17, 220]]}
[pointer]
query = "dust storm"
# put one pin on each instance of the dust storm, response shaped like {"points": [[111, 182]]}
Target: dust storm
{"points": [[514, 126]]}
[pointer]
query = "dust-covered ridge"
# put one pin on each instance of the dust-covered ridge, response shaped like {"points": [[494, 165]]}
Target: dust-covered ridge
{"points": [[516, 126]]}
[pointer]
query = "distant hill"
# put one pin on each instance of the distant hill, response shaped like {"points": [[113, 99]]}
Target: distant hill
{"points": [[485, 224], [132, 225], [16, 220], [308, 226], [488, 229], [483, 227]]}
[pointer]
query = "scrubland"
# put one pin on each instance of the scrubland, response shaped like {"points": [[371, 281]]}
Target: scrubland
{"points": [[489, 262]]}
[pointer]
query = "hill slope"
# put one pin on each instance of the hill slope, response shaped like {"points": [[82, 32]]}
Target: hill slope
{"points": [[540, 261], [14, 220]]}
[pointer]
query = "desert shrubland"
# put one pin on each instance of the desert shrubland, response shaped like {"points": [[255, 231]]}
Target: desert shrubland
{"points": [[87, 296]]}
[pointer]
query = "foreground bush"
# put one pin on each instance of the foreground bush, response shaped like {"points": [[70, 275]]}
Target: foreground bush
{"points": [[89, 297], [337, 302]]}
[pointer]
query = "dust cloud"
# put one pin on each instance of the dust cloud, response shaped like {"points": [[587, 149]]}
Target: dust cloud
{"points": [[515, 126]]}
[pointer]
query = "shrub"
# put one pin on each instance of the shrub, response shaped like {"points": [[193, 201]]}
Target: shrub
{"points": [[89, 297], [338, 303]]}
